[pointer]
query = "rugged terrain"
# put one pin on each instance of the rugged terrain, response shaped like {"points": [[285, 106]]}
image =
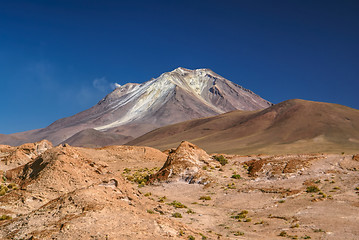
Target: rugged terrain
{"points": [[293, 126], [12, 157], [77, 193], [129, 192], [134, 109]]}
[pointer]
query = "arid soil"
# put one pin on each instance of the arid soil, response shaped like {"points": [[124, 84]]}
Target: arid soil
{"points": [[82, 193]]}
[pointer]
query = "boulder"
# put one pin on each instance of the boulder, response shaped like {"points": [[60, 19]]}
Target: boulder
{"points": [[186, 163]]}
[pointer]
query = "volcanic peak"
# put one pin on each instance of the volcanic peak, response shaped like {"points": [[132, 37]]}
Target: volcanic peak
{"points": [[134, 109]]}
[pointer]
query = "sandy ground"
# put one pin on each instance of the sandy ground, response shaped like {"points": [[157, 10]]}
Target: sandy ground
{"points": [[251, 197], [276, 203]]}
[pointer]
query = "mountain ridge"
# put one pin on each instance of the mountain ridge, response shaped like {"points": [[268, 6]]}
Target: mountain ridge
{"points": [[134, 109]]}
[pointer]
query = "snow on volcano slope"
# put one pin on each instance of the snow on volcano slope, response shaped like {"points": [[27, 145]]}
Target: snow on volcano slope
{"points": [[134, 109], [215, 93]]}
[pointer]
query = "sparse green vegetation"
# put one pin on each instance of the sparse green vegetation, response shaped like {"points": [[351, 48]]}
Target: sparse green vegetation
{"points": [[231, 185], [278, 217], [150, 211], [5, 217], [176, 204], [139, 176], [190, 211], [311, 189], [2, 192], [322, 194], [285, 234], [221, 159], [241, 215], [162, 199], [177, 215], [295, 226], [236, 176], [12, 186], [148, 194], [281, 201], [203, 236], [3, 189], [206, 198], [238, 233], [190, 237], [306, 237]]}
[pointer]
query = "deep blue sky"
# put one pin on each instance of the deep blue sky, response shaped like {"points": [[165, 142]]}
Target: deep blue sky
{"points": [[58, 58]]}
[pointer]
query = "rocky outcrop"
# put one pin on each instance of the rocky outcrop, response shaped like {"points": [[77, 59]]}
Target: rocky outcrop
{"points": [[79, 193], [271, 167], [11, 157], [55, 172], [185, 164]]}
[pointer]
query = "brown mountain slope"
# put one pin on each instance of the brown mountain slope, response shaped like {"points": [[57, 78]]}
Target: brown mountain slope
{"points": [[93, 138], [293, 126]]}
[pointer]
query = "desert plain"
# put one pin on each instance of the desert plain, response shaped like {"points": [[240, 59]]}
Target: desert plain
{"points": [[134, 192]]}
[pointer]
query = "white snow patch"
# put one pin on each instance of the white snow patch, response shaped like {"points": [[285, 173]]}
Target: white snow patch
{"points": [[153, 94]]}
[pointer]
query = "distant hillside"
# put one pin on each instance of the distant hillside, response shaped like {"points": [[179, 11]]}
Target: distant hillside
{"points": [[93, 139], [293, 126]]}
